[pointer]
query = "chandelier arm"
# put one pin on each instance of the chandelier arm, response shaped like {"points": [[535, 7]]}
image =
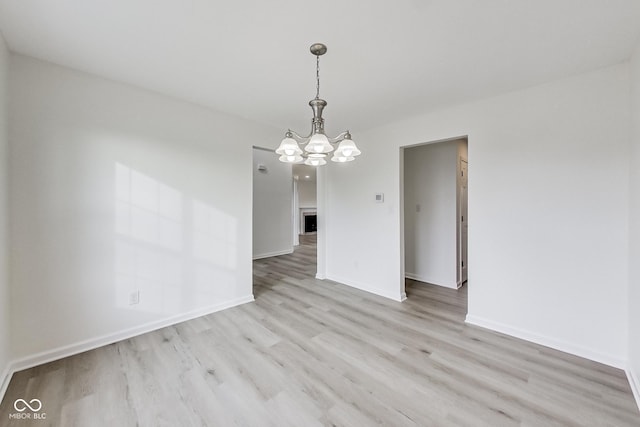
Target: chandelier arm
{"points": [[300, 139], [339, 138]]}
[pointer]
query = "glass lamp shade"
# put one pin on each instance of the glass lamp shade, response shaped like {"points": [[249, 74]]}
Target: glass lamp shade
{"points": [[347, 148], [315, 160], [289, 147], [342, 159], [296, 158], [318, 144]]}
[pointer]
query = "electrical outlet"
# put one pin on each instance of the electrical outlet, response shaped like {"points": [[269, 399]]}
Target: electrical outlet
{"points": [[134, 297]]}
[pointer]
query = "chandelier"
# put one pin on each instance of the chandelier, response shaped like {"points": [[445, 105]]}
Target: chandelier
{"points": [[314, 148]]}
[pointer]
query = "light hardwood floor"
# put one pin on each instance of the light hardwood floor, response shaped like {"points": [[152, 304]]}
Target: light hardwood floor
{"points": [[311, 353]]}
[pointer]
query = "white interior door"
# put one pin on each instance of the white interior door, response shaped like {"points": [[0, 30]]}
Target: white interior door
{"points": [[463, 220]]}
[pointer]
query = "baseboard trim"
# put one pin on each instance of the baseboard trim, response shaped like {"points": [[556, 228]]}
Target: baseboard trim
{"points": [[93, 343], [546, 341], [426, 280], [400, 296], [271, 254], [634, 382]]}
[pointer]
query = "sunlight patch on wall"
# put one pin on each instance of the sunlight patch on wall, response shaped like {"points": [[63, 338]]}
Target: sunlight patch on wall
{"points": [[173, 252]]}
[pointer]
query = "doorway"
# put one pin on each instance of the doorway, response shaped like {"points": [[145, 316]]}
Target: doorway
{"points": [[305, 203], [271, 206], [435, 215]]}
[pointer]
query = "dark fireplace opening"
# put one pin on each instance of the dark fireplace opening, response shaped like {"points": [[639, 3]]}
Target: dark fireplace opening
{"points": [[310, 224]]}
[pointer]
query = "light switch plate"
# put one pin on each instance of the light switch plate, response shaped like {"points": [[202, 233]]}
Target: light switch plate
{"points": [[379, 197]]}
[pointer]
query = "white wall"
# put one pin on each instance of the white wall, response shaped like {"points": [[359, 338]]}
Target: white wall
{"points": [[116, 189], [5, 321], [307, 195], [272, 205], [634, 228], [430, 183], [548, 211]]}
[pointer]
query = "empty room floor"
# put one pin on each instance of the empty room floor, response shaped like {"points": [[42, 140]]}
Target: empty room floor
{"points": [[310, 352]]}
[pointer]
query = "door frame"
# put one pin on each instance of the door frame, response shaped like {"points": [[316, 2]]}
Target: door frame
{"points": [[401, 209], [463, 217]]}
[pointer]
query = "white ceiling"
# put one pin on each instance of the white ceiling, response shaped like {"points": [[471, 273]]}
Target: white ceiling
{"points": [[385, 59]]}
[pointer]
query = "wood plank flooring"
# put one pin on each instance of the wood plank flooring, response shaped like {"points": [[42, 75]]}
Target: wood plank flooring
{"points": [[314, 353]]}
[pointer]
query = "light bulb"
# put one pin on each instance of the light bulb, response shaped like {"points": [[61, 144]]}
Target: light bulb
{"points": [[342, 159], [318, 144], [347, 148], [296, 158], [288, 147]]}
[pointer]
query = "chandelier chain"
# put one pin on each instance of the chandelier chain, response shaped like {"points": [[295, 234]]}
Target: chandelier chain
{"points": [[317, 76]]}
